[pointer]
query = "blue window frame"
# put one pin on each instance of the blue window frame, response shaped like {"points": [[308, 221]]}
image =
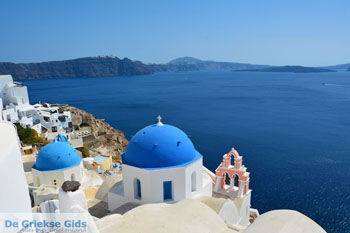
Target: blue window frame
{"points": [[168, 190]]}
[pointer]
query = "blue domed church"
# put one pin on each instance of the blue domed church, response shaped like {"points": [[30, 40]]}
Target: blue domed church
{"points": [[160, 164], [57, 162]]}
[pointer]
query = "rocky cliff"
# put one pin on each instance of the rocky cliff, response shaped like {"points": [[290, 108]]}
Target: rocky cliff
{"points": [[82, 67], [105, 139], [109, 66], [102, 66]]}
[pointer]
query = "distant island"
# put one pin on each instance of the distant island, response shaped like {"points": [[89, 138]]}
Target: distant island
{"points": [[102, 66], [293, 69], [197, 64], [82, 67], [340, 67]]}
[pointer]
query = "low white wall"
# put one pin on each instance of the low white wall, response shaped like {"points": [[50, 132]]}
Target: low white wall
{"points": [[14, 196], [245, 210], [40, 198], [48, 177], [229, 213]]}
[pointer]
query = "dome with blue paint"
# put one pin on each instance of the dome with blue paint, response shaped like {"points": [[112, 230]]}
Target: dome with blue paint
{"points": [[160, 146], [57, 155], [60, 138]]}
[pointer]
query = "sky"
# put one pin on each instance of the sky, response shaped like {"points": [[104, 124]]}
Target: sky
{"points": [[274, 32]]}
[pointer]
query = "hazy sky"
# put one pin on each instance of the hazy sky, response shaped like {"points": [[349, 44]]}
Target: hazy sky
{"points": [[276, 32]]}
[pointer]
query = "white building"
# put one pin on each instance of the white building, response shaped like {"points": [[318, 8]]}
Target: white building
{"points": [[14, 195], [57, 162], [12, 92], [160, 164], [12, 96], [51, 119], [15, 107]]}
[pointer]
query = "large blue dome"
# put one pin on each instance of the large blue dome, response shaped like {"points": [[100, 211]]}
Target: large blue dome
{"points": [[57, 155], [160, 146]]}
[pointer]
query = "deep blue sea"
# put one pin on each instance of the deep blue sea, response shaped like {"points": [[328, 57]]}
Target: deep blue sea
{"points": [[292, 129]]}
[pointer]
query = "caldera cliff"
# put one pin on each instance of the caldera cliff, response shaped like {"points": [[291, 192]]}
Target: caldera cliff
{"points": [[104, 139]]}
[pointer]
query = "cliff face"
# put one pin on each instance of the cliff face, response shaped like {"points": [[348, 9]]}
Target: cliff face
{"points": [[105, 139], [109, 66], [82, 67], [102, 66]]}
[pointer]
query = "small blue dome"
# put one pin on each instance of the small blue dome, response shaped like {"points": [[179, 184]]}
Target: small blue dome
{"points": [[57, 155], [60, 138], [160, 146]]}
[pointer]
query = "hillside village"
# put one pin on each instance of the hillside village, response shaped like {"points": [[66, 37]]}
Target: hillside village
{"points": [[155, 183]]}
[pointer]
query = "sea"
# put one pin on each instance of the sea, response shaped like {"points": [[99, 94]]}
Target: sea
{"points": [[293, 130]]}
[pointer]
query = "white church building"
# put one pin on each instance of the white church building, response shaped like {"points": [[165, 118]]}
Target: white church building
{"points": [[160, 164], [57, 162]]}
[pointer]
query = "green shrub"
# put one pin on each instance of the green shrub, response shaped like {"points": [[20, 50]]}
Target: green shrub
{"points": [[29, 136], [85, 152]]}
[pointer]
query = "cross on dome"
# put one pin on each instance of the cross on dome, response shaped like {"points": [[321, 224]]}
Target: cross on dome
{"points": [[159, 123]]}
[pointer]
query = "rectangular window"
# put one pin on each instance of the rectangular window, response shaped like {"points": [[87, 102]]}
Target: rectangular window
{"points": [[168, 190], [137, 189], [62, 118]]}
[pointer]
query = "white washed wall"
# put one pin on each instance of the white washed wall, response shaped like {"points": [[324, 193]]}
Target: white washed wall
{"points": [[14, 196]]}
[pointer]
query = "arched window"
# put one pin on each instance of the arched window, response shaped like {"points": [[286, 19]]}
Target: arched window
{"points": [[73, 177], [227, 179], [236, 180], [194, 181], [137, 189], [232, 159]]}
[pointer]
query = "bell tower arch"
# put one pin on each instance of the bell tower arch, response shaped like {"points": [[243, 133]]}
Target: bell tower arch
{"points": [[232, 166]]}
